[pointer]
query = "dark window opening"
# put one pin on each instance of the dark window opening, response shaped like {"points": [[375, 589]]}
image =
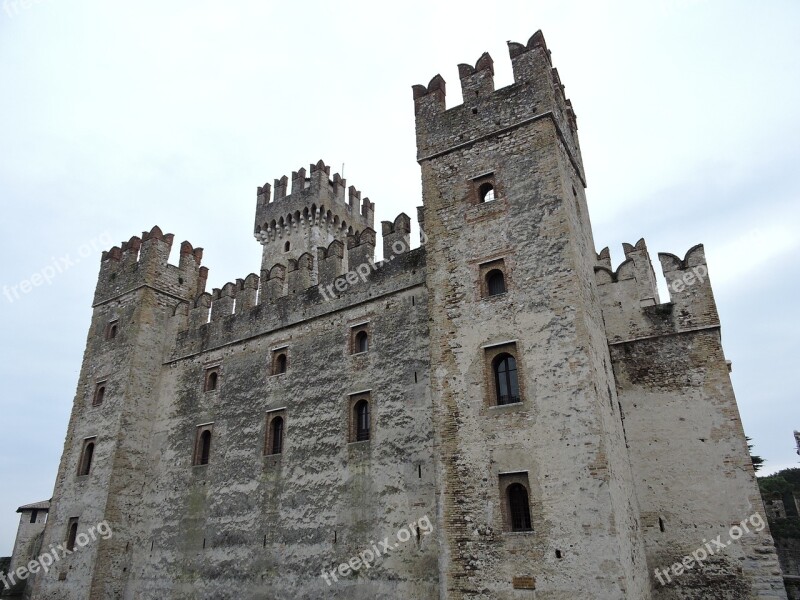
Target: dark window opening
{"points": [[506, 382], [86, 458], [486, 192], [362, 342], [495, 282], [99, 395], [361, 411], [280, 364], [212, 380], [203, 447], [277, 436], [519, 511], [111, 330], [286, 247], [34, 515], [72, 534], [661, 524]]}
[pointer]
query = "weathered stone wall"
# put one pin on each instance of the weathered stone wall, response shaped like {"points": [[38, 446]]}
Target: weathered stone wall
{"points": [[28, 540], [690, 460], [138, 291]]}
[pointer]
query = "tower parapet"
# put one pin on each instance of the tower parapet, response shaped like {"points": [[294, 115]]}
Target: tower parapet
{"points": [[143, 261], [314, 200], [536, 93], [318, 211], [631, 305]]}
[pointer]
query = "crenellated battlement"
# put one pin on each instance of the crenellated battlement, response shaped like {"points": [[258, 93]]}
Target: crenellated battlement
{"points": [[314, 200], [143, 261], [629, 295], [537, 93], [282, 295]]}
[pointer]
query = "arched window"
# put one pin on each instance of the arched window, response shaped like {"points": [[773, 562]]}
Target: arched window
{"points": [[72, 534], [280, 364], [495, 282], [286, 246], [205, 447], [277, 436], [99, 395], [486, 192], [212, 379], [505, 377], [362, 342], [518, 509], [361, 415], [111, 330], [86, 459]]}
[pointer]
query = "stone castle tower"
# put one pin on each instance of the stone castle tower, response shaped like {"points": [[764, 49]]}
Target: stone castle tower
{"points": [[497, 414]]}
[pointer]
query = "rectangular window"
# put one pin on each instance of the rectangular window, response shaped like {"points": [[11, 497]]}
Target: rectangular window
{"points": [[202, 444]]}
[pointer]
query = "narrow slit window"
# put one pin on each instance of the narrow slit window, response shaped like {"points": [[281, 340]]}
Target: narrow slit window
{"points": [[280, 364], [99, 394], [202, 446], [72, 534], [361, 421], [87, 457], [276, 447]]}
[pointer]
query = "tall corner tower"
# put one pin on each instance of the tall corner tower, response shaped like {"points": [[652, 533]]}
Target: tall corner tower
{"points": [[140, 303], [534, 479]]}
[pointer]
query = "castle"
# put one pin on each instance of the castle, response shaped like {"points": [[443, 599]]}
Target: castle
{"points": [[495, 414]]}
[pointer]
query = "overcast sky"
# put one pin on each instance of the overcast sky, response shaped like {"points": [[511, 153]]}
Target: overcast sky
{"points": [[116, 116]]}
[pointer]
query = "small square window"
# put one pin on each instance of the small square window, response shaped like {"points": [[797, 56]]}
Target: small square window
{"points": [[87, 456], [360, 417], [202, 444], [359, 338], [211, 379]]}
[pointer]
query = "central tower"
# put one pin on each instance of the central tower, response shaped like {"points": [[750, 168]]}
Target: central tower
{"points": [[293, 227], [526, 422]]}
